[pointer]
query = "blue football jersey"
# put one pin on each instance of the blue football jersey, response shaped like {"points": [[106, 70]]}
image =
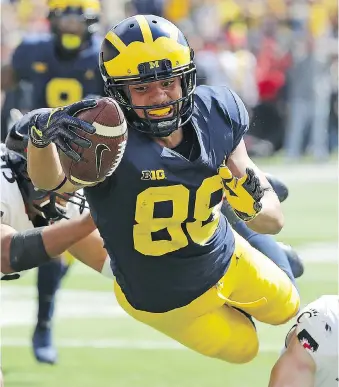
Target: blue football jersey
{"points": [[159, 214], [57, 82]]}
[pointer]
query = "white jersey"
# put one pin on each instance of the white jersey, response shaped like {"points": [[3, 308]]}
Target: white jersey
{"points": [[13, 210], [317, 331]]}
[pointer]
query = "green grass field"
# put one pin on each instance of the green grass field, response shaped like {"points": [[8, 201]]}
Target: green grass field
{"points": [[110, 349]]}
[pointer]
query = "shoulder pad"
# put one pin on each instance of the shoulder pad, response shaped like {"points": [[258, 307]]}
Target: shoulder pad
{"points": [[230, 104], [36, 39]]}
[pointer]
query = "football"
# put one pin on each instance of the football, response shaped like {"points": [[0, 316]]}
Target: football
{"points": [[108, 144]]}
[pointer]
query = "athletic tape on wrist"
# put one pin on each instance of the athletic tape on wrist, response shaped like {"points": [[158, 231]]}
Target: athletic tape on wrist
{"points": [[27, 250]]}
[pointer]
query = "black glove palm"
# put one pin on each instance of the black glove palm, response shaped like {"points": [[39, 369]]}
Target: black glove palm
{"points": [[58, 126]]}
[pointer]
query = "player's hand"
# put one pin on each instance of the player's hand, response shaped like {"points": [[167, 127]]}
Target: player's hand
{"points": [[243, 194], [58, 126]]}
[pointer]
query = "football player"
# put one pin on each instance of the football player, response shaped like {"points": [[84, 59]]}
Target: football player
{"points": [[61, 68], [29, 232], [62, 65], [310, 356], [179, 266]]}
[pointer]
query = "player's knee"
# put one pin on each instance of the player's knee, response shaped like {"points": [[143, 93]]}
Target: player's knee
{"points": [[241, 345], [292, 306], [244, 349], [288, 310], [241, 355], [278, 186]]}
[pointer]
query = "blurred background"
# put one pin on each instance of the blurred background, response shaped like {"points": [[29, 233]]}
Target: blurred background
{"points": [[281, 57]]}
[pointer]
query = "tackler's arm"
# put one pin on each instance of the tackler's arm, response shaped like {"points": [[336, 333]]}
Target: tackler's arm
{"points": [[28, 249], [295, 368]]}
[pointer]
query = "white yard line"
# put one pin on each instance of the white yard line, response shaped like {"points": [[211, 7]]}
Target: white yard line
{"points": [[100, 343], [303, 172], [18, 303], [320, 252], [118, 344]]}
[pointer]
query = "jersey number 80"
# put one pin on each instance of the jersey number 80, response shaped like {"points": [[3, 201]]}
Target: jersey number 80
{"points": [[199, 231]]}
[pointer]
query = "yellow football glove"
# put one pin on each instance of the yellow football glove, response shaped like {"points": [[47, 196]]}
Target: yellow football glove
{"points": [[243, 194]]}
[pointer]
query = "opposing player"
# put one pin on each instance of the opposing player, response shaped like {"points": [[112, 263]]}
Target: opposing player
{"points": [[62, 69], [310, 357], [179, 266], [27, 232]]}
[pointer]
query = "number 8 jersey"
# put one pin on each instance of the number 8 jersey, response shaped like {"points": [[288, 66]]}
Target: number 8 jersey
{"points": [[159, 213], [57, 82]]}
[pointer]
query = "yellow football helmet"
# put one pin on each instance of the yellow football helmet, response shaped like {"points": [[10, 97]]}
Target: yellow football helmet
{"points": [[86, 14], [147, 48]]}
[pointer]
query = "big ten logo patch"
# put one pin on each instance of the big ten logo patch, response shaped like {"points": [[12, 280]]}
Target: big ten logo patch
{"points": [[158, 174]]}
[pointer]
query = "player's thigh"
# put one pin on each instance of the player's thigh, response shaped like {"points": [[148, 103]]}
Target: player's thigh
{"points": [[223, 333], [259, 286]]}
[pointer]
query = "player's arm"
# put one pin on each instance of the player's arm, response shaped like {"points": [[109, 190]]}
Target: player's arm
{"points": [[28, 249], [246, 188], [294, 368], [92, 253], [55, 175], [270, 219], [47, 175]]}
